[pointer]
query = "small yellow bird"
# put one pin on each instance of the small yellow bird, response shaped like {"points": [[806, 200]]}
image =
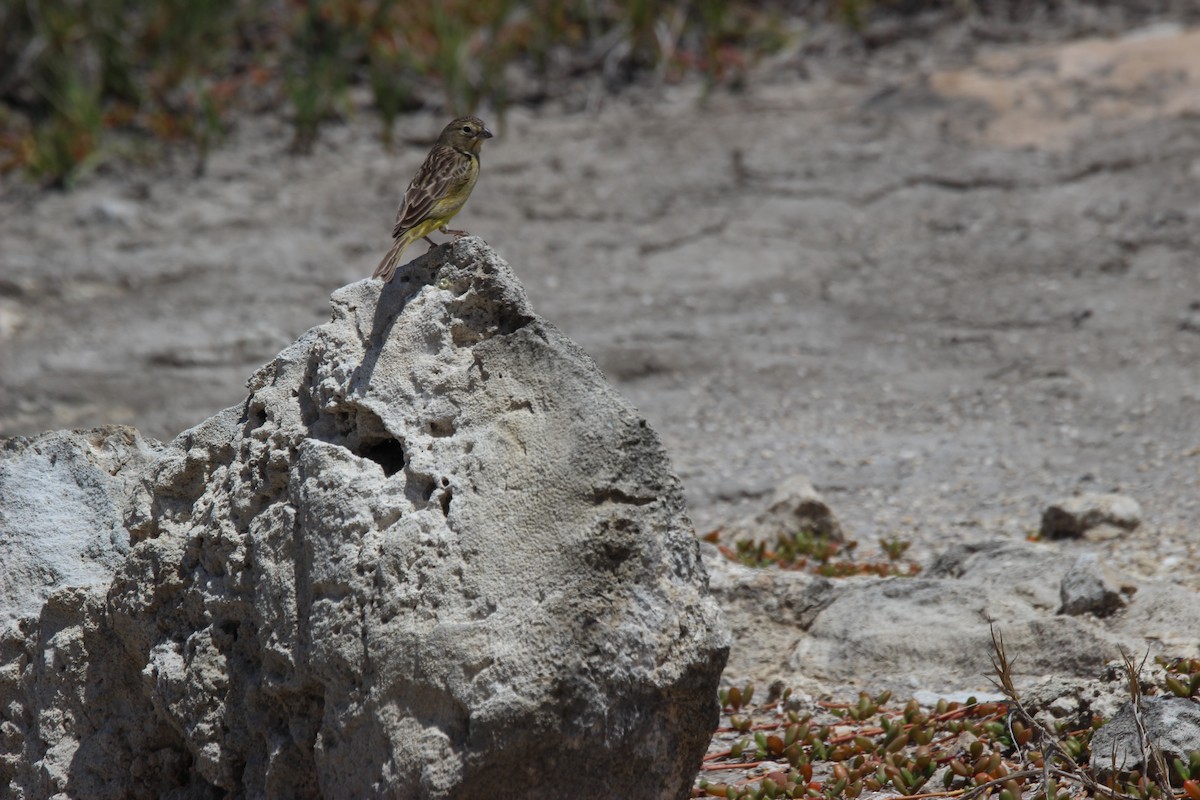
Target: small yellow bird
{"points": [[439, 190]]}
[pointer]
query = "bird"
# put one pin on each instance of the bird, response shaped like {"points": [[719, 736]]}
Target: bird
{"points": [[438, 191]]}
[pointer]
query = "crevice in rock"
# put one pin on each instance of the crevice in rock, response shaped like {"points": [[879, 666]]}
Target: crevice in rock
{"points": [[229, 630], [254, 414], [443, 427], [387, 453], [310, 414], [419, 488], [611, 494], [361, 431]]}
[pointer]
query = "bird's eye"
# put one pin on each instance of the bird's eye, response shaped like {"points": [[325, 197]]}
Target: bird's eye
{"points": [[466, 129]]}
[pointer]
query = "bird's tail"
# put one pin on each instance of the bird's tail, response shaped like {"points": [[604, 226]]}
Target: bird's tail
{"points": [[387, 267]]}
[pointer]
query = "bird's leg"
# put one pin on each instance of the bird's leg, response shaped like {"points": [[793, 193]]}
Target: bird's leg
{"points": [[455, 234], [432, 243]]}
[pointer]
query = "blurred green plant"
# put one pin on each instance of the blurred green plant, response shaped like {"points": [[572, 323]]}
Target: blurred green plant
{"points": [[1182, 678], [818, 553], [77, 74], [318, 66], [71, 71]]}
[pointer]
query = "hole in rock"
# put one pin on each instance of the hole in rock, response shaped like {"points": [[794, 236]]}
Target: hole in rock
{"points": [[445, 499], [387, 453], [442, 427], [254, 415]]}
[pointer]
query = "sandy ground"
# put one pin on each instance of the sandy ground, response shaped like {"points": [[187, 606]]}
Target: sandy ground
{"points": [[950, 282]]}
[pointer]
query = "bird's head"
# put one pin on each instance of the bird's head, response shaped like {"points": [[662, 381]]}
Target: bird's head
{"points": [[465, 133]]}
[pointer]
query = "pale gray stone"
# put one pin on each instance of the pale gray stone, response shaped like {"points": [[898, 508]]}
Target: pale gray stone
{"points": [[938, 629], [930, 699], [1075, 516], [1073, 702], [933, 632], [795, 507], [1172, 725], [1089, 588], [1030, 571]]}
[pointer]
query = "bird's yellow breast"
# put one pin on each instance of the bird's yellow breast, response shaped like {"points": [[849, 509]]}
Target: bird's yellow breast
{"points": [[456, 196]]}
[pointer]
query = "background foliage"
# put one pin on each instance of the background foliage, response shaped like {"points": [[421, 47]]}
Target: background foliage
{"points": [[85, 80]]}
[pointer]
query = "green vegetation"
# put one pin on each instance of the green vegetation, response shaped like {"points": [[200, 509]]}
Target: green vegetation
{"points": [[820, 554], [81, 82], [838, 751], [77, 77], [841, 751], [1183, 676]]}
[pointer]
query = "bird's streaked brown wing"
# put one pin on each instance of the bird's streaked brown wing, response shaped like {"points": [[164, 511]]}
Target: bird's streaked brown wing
{"points": [[443, 167]]}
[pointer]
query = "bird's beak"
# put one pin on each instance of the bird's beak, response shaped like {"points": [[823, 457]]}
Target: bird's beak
{"points": [[486, 134]]}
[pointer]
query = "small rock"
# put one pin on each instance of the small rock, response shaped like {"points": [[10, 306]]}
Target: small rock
{"points": [[1104, 532], [929, 699], [1075, 516], [1172, 724], [1025, 570], [1088, 588], [1064, 707], [795, 506], [11, 319], [1073, 702], [775, 690], [108, 211], [1190, 320]]}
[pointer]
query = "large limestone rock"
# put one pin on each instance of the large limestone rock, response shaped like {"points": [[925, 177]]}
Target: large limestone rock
{"points": [[432, 555]]}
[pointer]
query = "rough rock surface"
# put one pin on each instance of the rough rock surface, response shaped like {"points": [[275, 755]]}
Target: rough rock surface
{"points": [[1172, 724], [432, 555], [1089, 588], [61, 521], [933, 631], [1060, 701]]}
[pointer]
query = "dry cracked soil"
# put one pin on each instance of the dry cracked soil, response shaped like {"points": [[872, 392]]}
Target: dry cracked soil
{"points": [[950, 280]]}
